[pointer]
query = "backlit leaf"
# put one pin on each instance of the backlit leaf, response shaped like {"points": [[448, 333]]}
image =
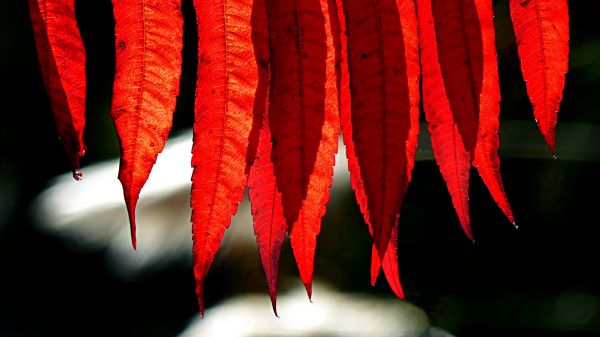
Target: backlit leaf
{"points": [[226, 129], [448, 148], [485, 155], [542, 32], [304, 119], [269, 223], [148, 43], [62, 60], [381, 131]]}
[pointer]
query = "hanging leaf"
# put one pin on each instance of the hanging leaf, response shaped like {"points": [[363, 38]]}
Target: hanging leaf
{"points": [[62, 59], [448, 148], [460, 55], [225, 128], [467, 58], [390, 260], [148, 39], [542, 32], [485, 156], [269, 223], [304, 119], [267, 210], [381, 132]]}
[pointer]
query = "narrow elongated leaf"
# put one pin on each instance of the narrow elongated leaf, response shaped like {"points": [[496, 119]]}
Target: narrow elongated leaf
{"points": [[467, 58], [304, 119], [542, 32], [343, 77], [390, 261], [267, 210], [148, 39], [225, 128], [460, 54], [381, 132], [485, 156], [269, 223], [448, 148], [62, 59], [343, 83]]}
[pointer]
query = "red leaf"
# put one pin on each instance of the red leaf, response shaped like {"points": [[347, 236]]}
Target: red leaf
{"points": [[62, 59], [390, 260], [467, 57], [304, 119], [225, 128], [381, 132], [542, 32], [448, 148], [148, 39], [267, 210], [485, 155], [460, 54], [265, 199]]}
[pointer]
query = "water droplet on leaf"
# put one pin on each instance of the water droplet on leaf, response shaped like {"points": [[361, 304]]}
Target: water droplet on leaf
{"points": [[77, 174]]}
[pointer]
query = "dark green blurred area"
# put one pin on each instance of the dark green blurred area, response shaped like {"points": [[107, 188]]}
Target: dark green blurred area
{"points": [[540, 280]]}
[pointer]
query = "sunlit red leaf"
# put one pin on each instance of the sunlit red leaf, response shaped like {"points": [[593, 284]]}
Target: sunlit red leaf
{"points": [[460, 54], [269, 223], [148, 43], [304, 119], [62, 59], [485, 155], [542, 32], [390, 263], [448, 148], [267, 210], [225, 128], [381, 131], [467, 57]]}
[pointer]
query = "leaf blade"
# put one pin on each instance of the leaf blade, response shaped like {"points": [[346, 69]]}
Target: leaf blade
{"points": [[448, 148], [485, 155], [542, 33], [149, 40], [62, 59], [381, 131], [304, 119], [225, 127], [267, 210], [265, 199]]}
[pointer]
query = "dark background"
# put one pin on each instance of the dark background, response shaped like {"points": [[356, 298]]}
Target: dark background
{"points": [[540, 280]]}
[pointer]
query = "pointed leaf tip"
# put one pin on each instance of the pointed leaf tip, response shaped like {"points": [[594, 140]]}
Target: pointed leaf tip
{"points": [[133, 228], [308, 287], [390, 265], [274, 304], [200, 297], [131, 199]]}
